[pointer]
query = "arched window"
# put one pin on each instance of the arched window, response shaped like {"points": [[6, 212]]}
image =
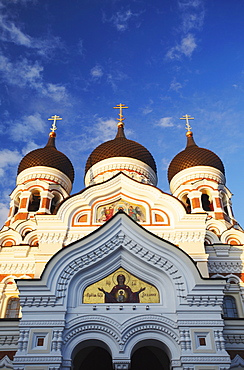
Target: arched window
{"points": [[206, 204], [13, 307], [229, 307], [16, 205], [34, 202], [55, 201]]}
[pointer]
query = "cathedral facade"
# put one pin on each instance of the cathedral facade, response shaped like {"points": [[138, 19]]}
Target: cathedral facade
{"points": [[121, 275]]}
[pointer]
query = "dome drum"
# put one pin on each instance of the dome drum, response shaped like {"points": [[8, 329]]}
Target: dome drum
{"points": [[108, 168], [45, 173], [196, 173]]}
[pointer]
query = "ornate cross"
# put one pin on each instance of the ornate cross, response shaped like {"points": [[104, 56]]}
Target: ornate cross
{"points": [[54, 119], [120, 107], [187, 117]]}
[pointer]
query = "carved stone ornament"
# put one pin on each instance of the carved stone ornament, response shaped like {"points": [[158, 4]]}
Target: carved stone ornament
{"points": [[120, 240], [6, 362]]}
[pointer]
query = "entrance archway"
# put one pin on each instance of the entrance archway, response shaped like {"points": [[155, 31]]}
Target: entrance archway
{"points": [[150, 354], [92, 357]]}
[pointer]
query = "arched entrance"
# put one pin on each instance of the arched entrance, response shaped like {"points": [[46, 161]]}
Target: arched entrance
{"points": [[92, 356], [150, 354]]}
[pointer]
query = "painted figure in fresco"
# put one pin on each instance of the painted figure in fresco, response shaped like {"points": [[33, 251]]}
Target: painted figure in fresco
{"points": [[106, 214], [132, 213], [121, 292]]}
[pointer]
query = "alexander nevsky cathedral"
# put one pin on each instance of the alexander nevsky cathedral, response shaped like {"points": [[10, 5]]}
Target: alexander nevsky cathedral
{"points": [[121, 275]]}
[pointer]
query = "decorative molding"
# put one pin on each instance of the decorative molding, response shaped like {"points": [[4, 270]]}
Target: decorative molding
{"points": [[23, 340], [119, 240], [70, 238], [196, 172], [17, 268], [92, 327], [38, 301], [149, 327], [204, 300], [206, 359], [200, 323], [51, 237], [157, 318], [237, 361], [57, 340], [185, 340], [121, 364], [219, 340], [37, 359], [234, 339], [45, 173], [6, 362], [44, 323], [8, 340], [177, 237], [225, 267]]}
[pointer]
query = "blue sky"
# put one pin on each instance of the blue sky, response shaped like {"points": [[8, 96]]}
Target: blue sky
{"points": [[162, 58]]}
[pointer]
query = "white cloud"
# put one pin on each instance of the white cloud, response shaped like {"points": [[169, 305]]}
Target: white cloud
{"points": [[57, 92], [115, 77], [9, 32], [192, 15], [105, 129], [165, 122], [4, 209], [30, 145], [96, 72], [186, 47], [121, 19], [24, 73], [27, 127], [80, 47], [175, 86], [8, 158], [165, 164]]}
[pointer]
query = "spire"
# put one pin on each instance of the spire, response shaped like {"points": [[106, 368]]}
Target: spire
{"points": [[120, 132]]}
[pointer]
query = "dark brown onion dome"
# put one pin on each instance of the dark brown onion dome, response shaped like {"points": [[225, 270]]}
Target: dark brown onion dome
{"points": [[192, 156], [48, 156], [120, 147]]}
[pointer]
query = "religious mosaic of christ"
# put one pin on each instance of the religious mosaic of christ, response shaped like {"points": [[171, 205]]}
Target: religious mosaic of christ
{"points": [[135, 211], [121, 287]]}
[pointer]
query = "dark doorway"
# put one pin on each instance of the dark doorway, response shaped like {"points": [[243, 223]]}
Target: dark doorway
{"points": [[93, 358], [150, 357]]}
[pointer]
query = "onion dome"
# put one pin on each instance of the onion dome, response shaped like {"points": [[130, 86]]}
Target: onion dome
{"points": [[193, 156], [120, 146], [120, 155], [48, 156]]}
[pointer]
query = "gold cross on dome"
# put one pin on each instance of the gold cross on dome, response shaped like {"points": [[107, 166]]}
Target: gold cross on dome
{"points": [[120, 107], [187, 117], [54, 119]]}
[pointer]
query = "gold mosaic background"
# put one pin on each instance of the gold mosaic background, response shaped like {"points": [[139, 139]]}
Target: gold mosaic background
{"points": [[93, 295]]}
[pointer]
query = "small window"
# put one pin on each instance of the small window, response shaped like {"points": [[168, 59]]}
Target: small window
{"points": [[34, 202], [13, 307], [202, 341], [229, 307], [206, 204], [40, 341]]}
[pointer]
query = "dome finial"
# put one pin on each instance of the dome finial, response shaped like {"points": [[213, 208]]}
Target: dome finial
{"points": [[121, 117], [54, 127], [188, 127]]}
